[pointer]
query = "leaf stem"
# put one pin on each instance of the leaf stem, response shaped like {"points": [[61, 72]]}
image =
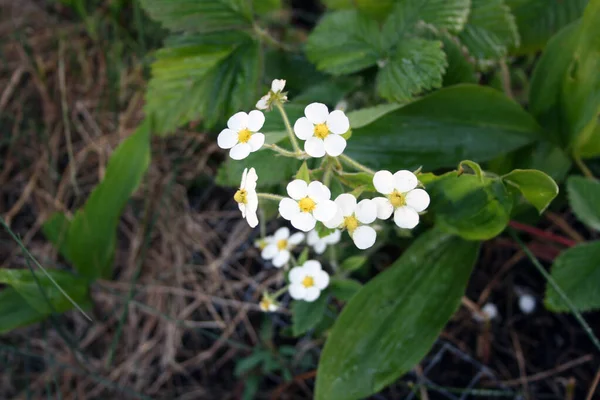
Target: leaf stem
{"points": [[288, 127], [561, 293], [270, 196], [281, 150], [584, 168], [356, 164]]}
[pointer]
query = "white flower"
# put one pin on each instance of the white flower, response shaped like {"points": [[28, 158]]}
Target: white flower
{"points": [[527, 303], [307, 281], [275, 94], [322, 130], [403, 199], [489, 310], [319, 244], [263, 242], [267, 304], [279, 249], [242, 135], [353, 216], [309, 203], [247, 198]]}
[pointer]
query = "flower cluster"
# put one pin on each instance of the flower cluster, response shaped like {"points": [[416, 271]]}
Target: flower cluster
{"points": [[309, 206]]}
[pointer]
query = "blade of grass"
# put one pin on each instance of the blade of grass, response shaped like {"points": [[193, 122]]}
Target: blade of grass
{"points": [[588, 330], [28, 254]]}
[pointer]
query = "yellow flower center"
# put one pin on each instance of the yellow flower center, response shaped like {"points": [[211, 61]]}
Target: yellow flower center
{"points": [[244, 135], [265, 304], [397, 199], [308, 281], [321, 131], [350, 223], [306, 204], [240, 196], [282, 244]]}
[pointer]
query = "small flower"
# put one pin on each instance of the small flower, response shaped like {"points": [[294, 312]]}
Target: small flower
{"points": [[275, 94], [489, 310], [309, 203], [247, 198], [354, 216], [402, 196], [527, 303], [268, 304], [307, 281], [319, 244], [279, 249], [242, 135], [322, 130], [263, 242]]}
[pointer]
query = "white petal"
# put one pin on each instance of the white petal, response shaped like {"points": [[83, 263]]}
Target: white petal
{"points": [[244, 175], [240, 151], [316, 113], [303, 221], [347, 203], [256, 141], [366, 211], [417, 199], [277, 85], [296, 275], [296, 238], [256, 120], [252, 219], [311, 267], [281, 258], [238, 121], [251, 208], [297, 189], [273, 308], [262, 103], [405, 180], [312, 293], [269, 252], [336, 220], [364, 237], [281, 234], [318, 192], [303, 128], [312, 238], [250, 180], [297, 291], [321, 279], [324, 210], [334, 145], [227, 139], [314, 147], [242, 208], [384, 182], [338, 123], [406, 217], [333, 238], [288, 208], [320, 247], [384, 207]]}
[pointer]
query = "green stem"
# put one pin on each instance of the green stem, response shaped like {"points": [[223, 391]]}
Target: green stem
{"points": [[278, 293], [270, 196], [555, 286], [328, 173], [288, 127], [584, 168], [281, 150], [356, 164]]}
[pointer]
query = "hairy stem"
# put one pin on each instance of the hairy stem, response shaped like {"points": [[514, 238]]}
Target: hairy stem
{"points": [[270, 196], [288, 127], [355, 164]]}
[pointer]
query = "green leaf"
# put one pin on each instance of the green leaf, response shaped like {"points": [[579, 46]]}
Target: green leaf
{"points": [[365, 116], [271, 169], [344, 289], [470, 207], [353, 263], [447, 15], [444, 128], [537, 187], [357, 180], [202, 76], [461, 66], [344, 42], [577, 273], [53, 301], [538, 20], [15, 312], [306, 315], [391, 323], [303, 173], [200, 15], [303, 256], [416, 65], [584, 195], [90, 241], [56, 229], [490, 30]]}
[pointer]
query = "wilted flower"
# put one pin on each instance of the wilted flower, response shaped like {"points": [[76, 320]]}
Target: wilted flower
{"points": [[275, 94], [268, 304]]}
